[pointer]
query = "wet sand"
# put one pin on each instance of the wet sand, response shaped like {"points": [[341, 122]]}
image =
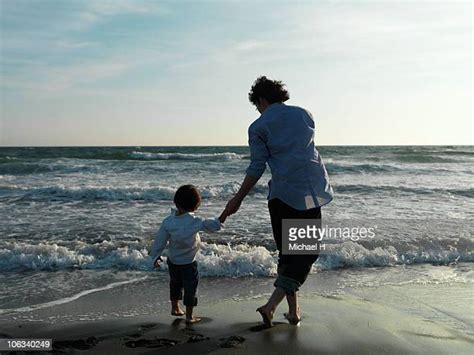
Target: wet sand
{"points": [[378, 320]]}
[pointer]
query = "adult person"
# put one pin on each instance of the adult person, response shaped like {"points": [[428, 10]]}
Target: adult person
{"points": [[283, 138]]}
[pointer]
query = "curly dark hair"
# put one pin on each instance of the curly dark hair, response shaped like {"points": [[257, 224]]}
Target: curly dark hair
{"points": [[188, 198], [272, 90]]}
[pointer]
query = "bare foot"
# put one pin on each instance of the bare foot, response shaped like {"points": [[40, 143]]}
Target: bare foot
{"points": [[177, 312], [267, 316], [193, 320], [292, 319]]}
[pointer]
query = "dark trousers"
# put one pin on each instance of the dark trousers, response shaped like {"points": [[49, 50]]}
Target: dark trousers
{"points": [[292, 269], [183, 277]]}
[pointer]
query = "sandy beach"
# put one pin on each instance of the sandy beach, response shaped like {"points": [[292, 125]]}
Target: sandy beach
{"points": [[408, 318], [256, 148]]}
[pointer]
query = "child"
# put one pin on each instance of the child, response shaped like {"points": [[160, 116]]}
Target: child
{"points": [[180, 231]]}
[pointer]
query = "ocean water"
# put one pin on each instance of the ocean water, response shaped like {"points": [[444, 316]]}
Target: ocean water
{"points": [[80, 220]]}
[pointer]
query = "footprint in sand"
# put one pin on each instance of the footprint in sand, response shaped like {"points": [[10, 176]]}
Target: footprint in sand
{"points": [[195, 338], [233, 341], [77, 344], [151, 343], [142, 329], [135, 335], [148, 326]]}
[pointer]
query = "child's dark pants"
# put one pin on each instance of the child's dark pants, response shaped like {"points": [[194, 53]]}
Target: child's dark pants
{"points": [[183, 277]]}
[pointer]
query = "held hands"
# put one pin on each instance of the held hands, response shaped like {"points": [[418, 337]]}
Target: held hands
{"points": [[232, 207], [234, 204]]}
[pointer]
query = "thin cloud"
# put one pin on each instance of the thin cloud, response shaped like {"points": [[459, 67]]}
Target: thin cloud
{"points": [[95, 11], [57, 79], [74, 45]]}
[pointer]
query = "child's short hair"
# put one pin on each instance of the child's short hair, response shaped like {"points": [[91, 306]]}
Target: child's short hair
{"points": [[187, 197]]}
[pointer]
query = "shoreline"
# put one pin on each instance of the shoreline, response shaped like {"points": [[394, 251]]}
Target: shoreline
{"points": [[383, 319]]}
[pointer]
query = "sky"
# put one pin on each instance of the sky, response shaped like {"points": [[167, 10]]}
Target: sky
{"points": [[103, 73]]}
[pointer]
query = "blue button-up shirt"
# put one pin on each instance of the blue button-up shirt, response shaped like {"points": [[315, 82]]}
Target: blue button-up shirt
{"points": [[283, 137]]}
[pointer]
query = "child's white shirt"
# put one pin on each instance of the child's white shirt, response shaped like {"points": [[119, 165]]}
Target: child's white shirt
{"points": [[181, 234]]}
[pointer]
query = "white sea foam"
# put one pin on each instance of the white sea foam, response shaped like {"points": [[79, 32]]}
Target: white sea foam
{"points": [[186, 156], [70, 298], [214, 259]]}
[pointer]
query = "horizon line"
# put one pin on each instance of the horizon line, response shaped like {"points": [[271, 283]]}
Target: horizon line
{"points": [[212, 146]]}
